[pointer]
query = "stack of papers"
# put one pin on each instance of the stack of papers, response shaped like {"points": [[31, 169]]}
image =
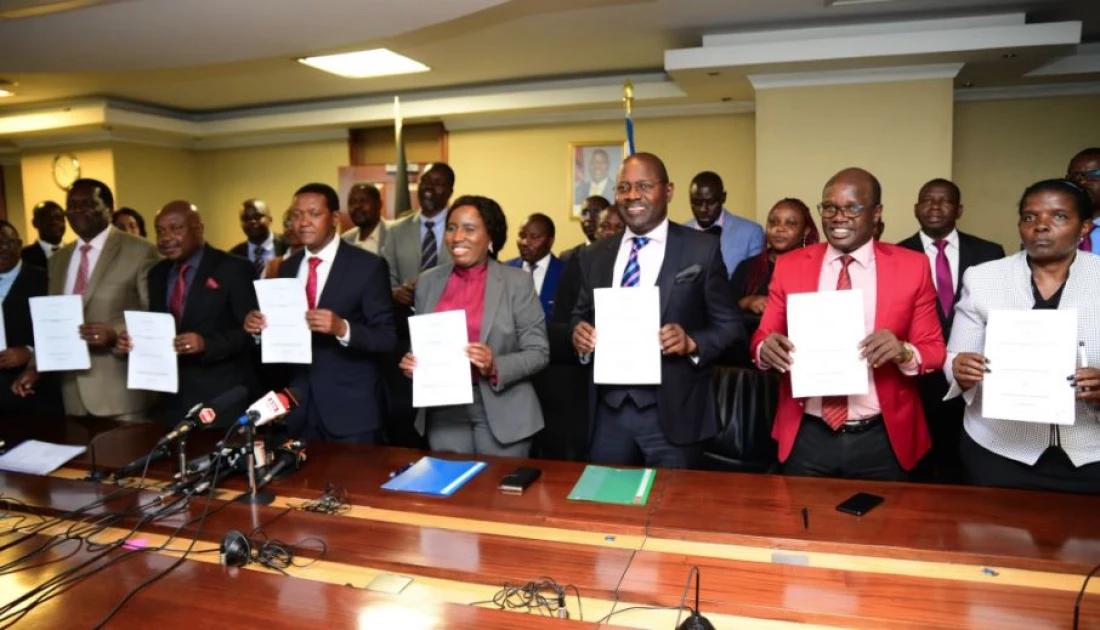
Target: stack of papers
{"points": [[38, 458], [439, 477], [614, 485]]}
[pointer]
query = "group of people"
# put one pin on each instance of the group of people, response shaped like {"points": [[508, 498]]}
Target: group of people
{"points": [[723, 283]]}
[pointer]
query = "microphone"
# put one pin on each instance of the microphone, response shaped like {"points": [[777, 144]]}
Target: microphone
{"points": [[695, 620], [270, 407], [205, 414], [292, 454]]}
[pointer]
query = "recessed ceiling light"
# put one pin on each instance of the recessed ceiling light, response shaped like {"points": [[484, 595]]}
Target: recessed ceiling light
{"points": [[377, 62], [841, 3]]}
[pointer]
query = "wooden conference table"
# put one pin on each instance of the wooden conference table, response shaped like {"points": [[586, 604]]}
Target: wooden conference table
{"points": [[929, 556]]}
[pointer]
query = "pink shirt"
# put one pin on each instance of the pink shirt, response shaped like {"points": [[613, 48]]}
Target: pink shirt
{"points": [[862, 273], [465, 290]]}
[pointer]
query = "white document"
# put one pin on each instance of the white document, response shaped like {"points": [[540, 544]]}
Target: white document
{"points": [[826, 328], [287, 338], [1030, 355], [152, 362], [38, 458], [442, 372], [56, 320], [628, 336]]}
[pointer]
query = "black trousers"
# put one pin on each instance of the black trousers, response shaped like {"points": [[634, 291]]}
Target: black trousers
{"points": [[821, 452], [1053, 471]]}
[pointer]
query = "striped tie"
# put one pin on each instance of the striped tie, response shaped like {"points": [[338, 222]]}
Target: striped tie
{"points": [[429, 249], [258, 262], [633, 273]]}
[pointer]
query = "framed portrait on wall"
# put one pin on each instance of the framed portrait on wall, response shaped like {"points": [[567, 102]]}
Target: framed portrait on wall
{"points": [[593, 168]]}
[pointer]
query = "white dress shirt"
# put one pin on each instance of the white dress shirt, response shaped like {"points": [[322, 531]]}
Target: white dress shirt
{"points": [[49, 248], [539, 275], [327, 256], [372, 243], [952, 251], [650, 257], [97, 243]]}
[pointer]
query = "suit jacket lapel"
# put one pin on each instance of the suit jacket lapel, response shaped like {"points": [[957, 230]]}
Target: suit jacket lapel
{"points": [[111, 248], [191, 303], [607, 265], [494, 290], [60, 269], [338, 268], [669, 266], [433, 287]]}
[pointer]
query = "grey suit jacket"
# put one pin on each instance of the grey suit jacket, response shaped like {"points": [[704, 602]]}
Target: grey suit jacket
{"points": [[401, 249], [513, 325], [118, 283], [1005, 284]]}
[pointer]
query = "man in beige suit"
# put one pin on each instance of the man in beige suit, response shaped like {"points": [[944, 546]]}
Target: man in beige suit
{"points": [[108, 268]]}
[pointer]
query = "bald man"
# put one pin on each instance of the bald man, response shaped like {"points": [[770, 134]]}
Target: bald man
{"points": [[260, 244], [881, 434], [209, 293]]}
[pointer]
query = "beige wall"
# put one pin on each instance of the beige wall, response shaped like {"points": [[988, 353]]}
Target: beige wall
{"points": [[271, 173], [900, 131], [1001, 147], [147, 177], [38, 184], [527, 169], [13, 197]]}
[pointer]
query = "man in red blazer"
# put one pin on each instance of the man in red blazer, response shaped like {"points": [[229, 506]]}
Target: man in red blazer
{"points": [[880, 435]]}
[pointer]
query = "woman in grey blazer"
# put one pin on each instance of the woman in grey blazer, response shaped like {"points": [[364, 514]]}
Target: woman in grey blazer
{"points": [[506, 330], [1050, 273]]}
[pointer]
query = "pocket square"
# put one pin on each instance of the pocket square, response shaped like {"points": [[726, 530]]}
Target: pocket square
{"points": [[212, 284], [688, 274]]}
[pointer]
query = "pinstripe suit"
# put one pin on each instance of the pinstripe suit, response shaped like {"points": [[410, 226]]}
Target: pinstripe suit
{"points": [[1006, 285]]}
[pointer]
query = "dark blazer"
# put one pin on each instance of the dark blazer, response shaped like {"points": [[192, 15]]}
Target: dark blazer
{"points": [[31, 282], [345, 383], [972, 251], [549, 282], [695, 294], [33, 255], [220, 297], [244, 248]]}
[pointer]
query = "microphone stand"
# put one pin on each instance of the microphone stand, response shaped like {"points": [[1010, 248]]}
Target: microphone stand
{"points": [[181, 454], [254, 495]]}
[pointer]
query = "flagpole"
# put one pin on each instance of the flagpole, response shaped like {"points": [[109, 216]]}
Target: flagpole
{"points": [[628, 104]]}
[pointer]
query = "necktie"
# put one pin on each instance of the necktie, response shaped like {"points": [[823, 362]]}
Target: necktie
{"points": [[714, 229], [175, 302], [54, 248], [531, 267], [834, 409], [632, 273], [945, 288], [311, 282], [82, 271], [429, 249], [1086, 243], [258, 260]]}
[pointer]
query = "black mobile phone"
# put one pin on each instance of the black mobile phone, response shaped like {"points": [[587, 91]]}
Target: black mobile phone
{"points": [[518, 480], [859, 503]]}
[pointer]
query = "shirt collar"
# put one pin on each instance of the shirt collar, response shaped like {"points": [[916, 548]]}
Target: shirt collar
{"points": [[659, 233], [929, 242], [541, 263], [268, 245], [98, 240], [192, 260], [11, 273], [864, 255], [47, 247], [327, 253]]}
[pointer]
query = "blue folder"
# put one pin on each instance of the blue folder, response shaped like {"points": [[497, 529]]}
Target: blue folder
{"points": [[439, 477]]}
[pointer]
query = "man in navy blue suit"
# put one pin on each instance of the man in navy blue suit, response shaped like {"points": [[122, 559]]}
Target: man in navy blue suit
{"points": [[536, 237], [340, 395]]}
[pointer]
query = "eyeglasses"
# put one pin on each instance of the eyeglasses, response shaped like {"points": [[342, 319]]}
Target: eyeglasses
{"points": [[643, 188], [828, 210], [1080, 176]]}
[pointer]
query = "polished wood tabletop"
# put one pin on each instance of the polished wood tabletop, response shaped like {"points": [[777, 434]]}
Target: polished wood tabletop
{"points": [[929, 556]]}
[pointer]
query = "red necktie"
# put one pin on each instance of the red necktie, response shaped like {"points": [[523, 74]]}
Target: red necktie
{"points": [[834, 409], [311, 282], [175, 302], [82, 271], [945, 286]]}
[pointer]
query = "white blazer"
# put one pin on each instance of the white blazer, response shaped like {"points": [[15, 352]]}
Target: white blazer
{"points": [[1005, 284]]}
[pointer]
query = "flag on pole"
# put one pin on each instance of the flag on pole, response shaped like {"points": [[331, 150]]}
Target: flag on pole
{"points": [[401, 201], [628, 103]]}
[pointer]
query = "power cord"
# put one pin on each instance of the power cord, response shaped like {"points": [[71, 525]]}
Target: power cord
{"points": [[334, 500], [1081, 596], [530, 597]]}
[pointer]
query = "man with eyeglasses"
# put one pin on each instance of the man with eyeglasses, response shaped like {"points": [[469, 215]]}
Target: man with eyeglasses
{"points": [[645, 424], [881, 434], [950, 253], [1084, 170]]}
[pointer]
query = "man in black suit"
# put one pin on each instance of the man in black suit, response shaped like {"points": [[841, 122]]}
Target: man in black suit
{"points": [[20, 281], [950, 253], [49, 221], [209, 293], [260, 244], [340, 395], [659, 425]]}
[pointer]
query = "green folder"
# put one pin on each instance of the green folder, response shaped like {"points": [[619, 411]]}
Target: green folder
{"points": [[614, 485]]}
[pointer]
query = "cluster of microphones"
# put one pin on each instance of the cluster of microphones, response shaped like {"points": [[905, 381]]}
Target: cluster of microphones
{"points": [[263, 462]]}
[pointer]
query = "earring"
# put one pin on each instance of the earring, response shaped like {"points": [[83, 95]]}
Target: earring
{"points": [[491, 248]]}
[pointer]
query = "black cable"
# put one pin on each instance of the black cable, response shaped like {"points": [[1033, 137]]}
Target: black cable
{"points": [[1081, 595], [629, 608], [683, 596]]}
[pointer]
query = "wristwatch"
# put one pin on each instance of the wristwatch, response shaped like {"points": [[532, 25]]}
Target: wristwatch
{"points": [[907, 353]]}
